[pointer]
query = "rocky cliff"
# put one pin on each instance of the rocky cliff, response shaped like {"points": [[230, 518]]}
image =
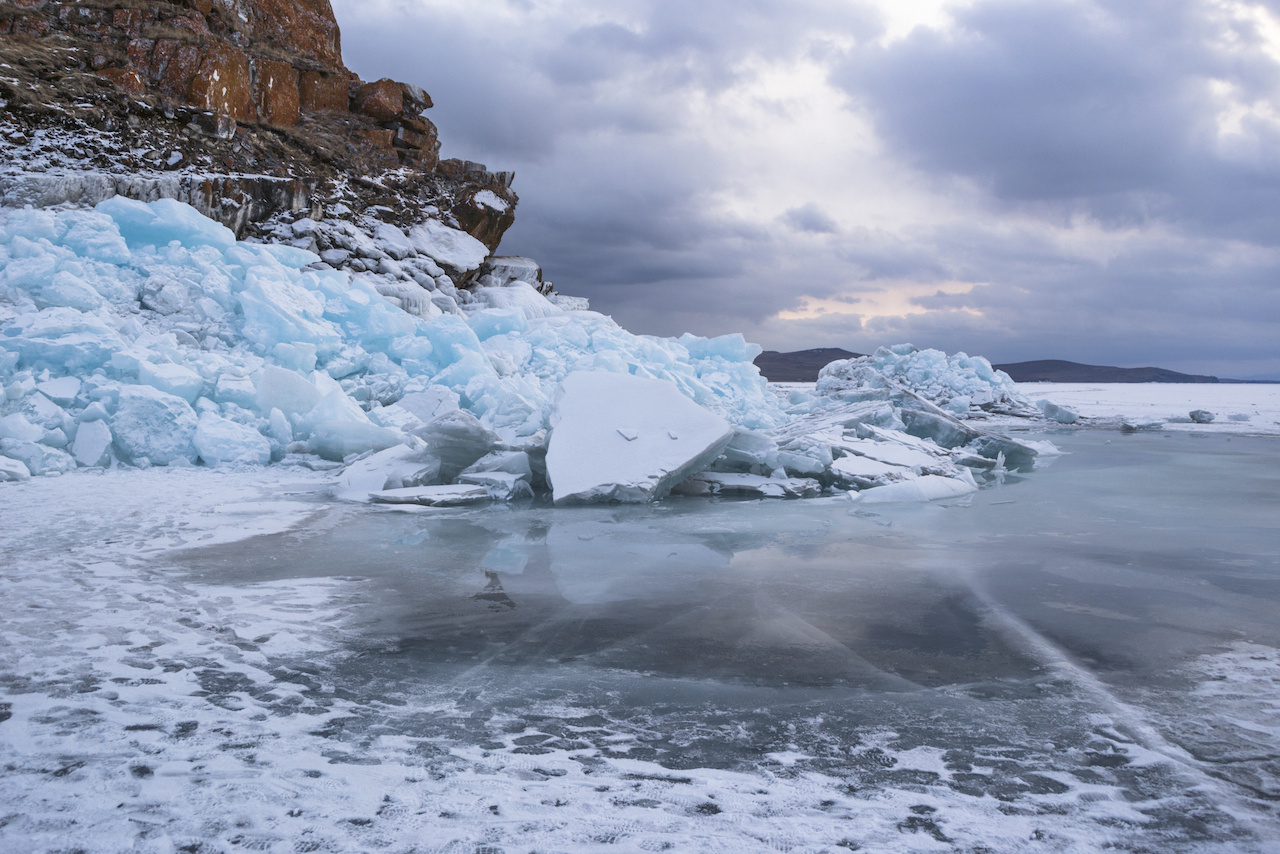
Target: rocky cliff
{"points": [[242, 108]]}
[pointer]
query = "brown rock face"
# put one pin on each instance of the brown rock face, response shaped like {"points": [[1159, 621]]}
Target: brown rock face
{"points": [[223, 84], [381, 101], [137, 68], [304, 28], [317, 91], [275, 92], [127, 79]]}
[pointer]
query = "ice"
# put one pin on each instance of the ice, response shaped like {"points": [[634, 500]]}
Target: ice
{"points": [[892, 453], [93, 444], [862, 468], [429, 403], [748, 486], [458, 440], [1201, 416], [434, 496], [394, 468], [337, 439], [286, 391], [162, 221], [62, 340], [116, 313], [62, 391], [16, 426], [624, 438], [153, 427], [13, 470], [39, 459], [930, 487], [1055, 412], [70, 291], [221, 440], [501, 485], [958, 383], [174, 379]]}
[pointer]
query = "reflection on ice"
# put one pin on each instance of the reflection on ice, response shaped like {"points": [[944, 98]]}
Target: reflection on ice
{"points": [[1014, 674]]}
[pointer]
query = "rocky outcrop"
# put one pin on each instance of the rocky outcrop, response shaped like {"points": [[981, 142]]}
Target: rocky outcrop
{"points": [[239, 87]]}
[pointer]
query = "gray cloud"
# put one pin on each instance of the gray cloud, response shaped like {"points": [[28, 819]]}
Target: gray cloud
{"points": [[1064, 157], [810, 217], [1105, 108]]}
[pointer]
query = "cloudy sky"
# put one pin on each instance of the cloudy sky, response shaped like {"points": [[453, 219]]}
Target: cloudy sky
{"points": [[1021, 179]]}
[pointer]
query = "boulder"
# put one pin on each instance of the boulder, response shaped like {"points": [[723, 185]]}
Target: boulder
{"points": [[382, 100]]}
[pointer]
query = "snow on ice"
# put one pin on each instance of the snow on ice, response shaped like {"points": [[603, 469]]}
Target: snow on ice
{"points": [[146, 334]]}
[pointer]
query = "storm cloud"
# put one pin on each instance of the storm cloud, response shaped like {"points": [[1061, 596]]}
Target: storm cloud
{"points": [[1097, 181]]}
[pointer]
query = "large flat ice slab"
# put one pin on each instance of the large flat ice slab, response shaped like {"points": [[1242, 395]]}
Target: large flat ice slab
{"points": [[616, 437]]}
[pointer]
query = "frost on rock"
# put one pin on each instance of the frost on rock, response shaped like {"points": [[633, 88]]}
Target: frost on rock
{"points": [[625, 438], [146, 334]]}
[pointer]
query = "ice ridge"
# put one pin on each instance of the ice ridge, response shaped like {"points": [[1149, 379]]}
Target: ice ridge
{"points": [[147, 334]]}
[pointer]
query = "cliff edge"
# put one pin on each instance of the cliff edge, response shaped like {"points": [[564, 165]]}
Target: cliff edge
{"points": [[241, 108]]}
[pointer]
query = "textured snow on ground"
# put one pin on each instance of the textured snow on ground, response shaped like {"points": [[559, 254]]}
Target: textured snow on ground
{"points": [[1250, 408], [146, 707]]}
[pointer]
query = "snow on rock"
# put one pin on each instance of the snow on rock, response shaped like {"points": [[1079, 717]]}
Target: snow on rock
{"points": [[624, 438], [448, 246]]}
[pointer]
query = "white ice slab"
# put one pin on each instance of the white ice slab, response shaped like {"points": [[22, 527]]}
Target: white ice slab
{"points": [[931, 487], [624, 438]]}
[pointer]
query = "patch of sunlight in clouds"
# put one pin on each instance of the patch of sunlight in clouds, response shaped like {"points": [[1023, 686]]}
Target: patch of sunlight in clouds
{"points": [[887, 299]]}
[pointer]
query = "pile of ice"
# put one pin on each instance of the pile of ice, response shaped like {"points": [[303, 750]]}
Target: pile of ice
{"points": [[958, 383], [145, 334]]}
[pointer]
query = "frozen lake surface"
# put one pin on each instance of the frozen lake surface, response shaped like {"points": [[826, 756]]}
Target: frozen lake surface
{"points": [[1087, 658]]}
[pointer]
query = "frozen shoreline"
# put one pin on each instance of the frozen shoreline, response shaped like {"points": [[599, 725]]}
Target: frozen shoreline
{"points": [[169, 682], [1167, 401]]}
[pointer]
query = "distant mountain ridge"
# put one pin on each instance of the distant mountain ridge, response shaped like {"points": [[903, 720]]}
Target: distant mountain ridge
{"points": [[801, 366], [1060, 371]]}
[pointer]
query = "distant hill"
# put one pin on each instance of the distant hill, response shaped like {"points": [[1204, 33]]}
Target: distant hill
{"points": [[800, 366], [1059, 371]]}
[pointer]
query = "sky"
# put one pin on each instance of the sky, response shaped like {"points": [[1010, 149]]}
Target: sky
{"points": [[1018, 179]]}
